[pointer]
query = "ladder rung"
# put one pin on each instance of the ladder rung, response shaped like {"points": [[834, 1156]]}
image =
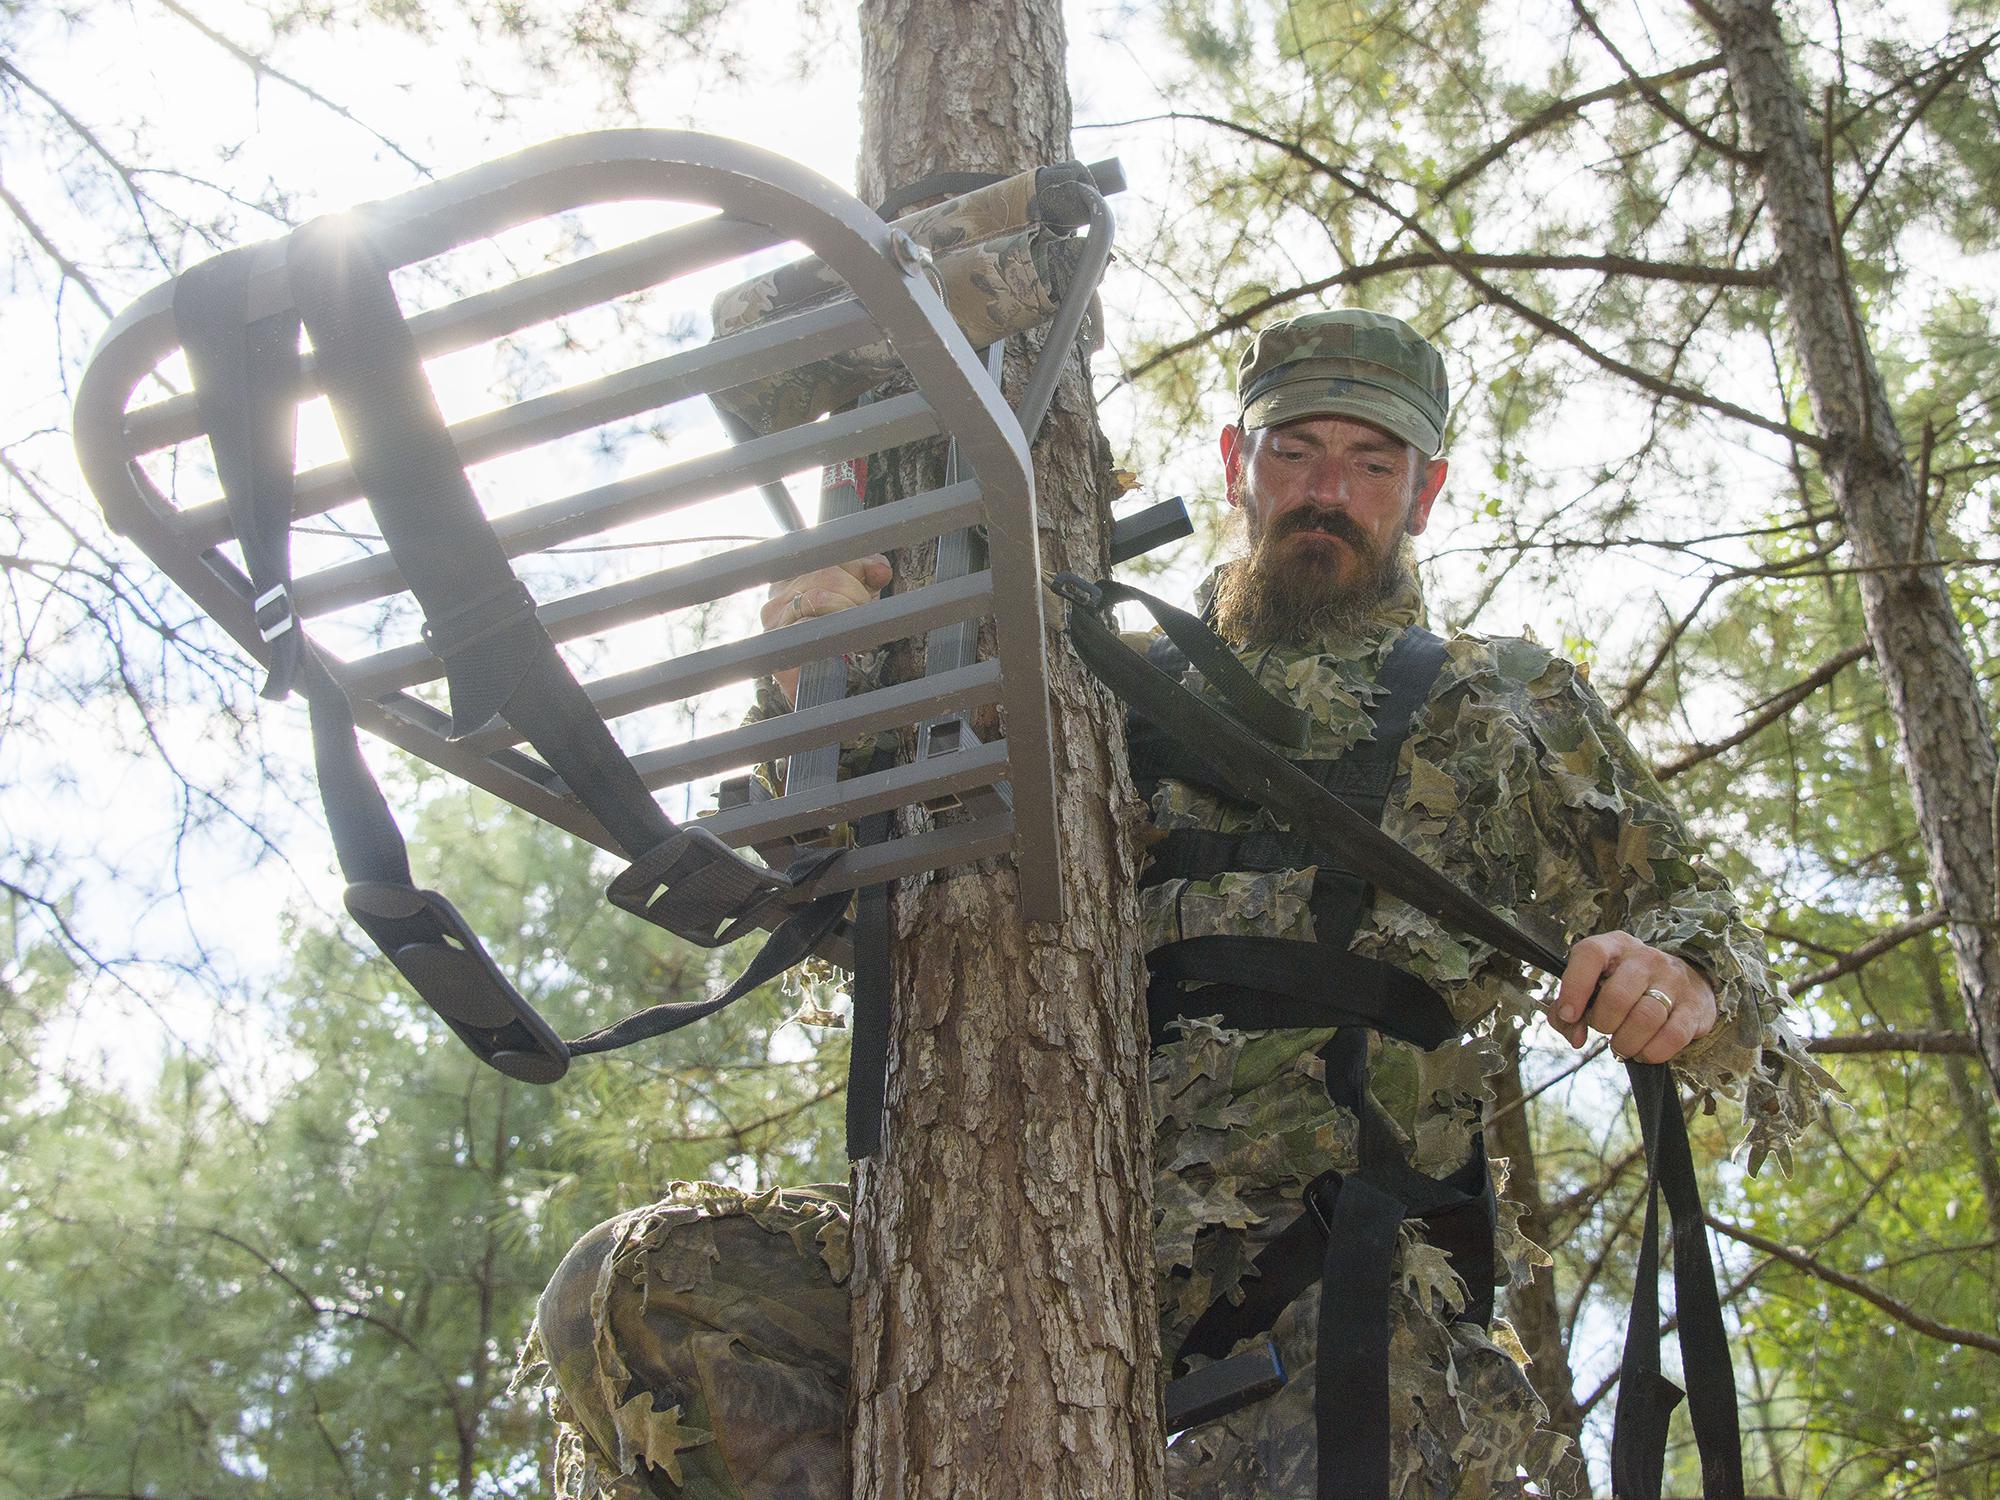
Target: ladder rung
{"points": [[856, 629], [935, 849], [885, 708], [508, 309], [764, 350], [868, 429], [881, 528], [899, 786]]}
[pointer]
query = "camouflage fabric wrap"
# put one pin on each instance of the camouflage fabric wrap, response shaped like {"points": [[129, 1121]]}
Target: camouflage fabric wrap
{"points": [[699, 1347], [1039, 197], [1465, 1418], [994, 289]]}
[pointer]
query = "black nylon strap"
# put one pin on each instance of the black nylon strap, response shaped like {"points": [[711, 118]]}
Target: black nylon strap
{"points": [[480, 621], [1272, 717], [1646, 1398], [1255, 772], [793, 940], [1351, 1392], [868, 1034], [239, 367], [446, 549], [1260, 983]]}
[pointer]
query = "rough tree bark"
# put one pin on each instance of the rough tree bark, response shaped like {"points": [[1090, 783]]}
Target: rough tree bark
{"points": [[1532, 1307], [1005, 1342], [1919, 648]]}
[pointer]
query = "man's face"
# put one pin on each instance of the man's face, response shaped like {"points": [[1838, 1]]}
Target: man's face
{"points": [[1327, 502]]}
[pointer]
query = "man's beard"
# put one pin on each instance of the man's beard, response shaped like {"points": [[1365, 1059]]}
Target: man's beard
{"points": [[1278, 593]]}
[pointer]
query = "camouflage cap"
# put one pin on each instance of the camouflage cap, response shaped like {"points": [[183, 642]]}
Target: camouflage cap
{"points": [[1346, 363]]}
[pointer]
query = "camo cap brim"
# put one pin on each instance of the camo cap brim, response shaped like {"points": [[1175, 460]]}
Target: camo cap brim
{"points": [[1343, 396]]}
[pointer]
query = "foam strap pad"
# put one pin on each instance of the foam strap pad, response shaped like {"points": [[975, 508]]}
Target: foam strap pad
{"points": [[431, 945]]}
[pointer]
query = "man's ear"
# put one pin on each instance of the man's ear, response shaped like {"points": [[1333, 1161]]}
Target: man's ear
{"points": [[1235, 451], [1426, 497]]}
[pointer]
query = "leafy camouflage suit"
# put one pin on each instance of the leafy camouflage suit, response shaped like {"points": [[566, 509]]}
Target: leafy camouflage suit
{"points": [[700, 1345]]}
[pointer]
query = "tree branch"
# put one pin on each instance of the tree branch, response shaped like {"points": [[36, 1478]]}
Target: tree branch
{"points": [[1651, 94], [1778, 707], [1644, 379], [1902, 1312], [1875, 947], [1564, 109], [263, 69], [1947, 1043], [1683, 272], [70, 270]]}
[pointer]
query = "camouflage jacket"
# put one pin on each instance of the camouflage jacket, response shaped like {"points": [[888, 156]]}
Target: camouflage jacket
{"points": [[1515, 782]]}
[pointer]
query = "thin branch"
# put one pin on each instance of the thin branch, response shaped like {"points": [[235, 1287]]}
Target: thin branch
{"points": [[1655, 98], [84, 133], [1685, 272], [1564, 109], [1778, 707], [1946, 76], [1946, 1043], [1875, 947], [1644, 379], [1902, 1312], [71, 271], [263, 69]]}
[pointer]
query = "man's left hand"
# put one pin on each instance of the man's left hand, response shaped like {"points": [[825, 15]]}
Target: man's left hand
{"points": [[1649, 1003]]}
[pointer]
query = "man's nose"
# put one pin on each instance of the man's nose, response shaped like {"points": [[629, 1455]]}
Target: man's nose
{"points": [[1326, 484]]}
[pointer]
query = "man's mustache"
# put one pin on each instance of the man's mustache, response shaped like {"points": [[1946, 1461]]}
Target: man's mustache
{"points": [[1335, 523]]}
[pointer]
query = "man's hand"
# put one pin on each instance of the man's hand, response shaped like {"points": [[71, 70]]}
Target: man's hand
{"points": [[822, 592], [1649, 1003]]}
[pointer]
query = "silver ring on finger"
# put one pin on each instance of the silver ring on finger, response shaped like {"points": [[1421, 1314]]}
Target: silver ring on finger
{"points": [[1666, 1000], [796, 609]]}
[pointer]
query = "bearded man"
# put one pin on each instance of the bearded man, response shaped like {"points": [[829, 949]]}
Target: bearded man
{"points": [[700, 1346]]}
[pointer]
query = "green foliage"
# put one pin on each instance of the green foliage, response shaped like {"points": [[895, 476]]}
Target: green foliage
{"points": [[317, 1285]]}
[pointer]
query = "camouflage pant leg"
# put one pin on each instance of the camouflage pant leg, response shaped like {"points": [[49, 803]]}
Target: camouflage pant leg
{"points": [[1463, 1418], [699, 1349]]}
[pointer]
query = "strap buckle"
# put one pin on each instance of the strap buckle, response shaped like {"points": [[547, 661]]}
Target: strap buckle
{"points": [[1327, 1182], [1077, 589], [274, 612]]}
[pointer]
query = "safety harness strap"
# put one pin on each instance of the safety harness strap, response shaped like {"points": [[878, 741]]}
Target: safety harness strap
{"points": [[1258, 984], [1254, 772], [479, 619]]}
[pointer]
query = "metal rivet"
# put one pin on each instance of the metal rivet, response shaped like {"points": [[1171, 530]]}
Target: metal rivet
{"points": [[907, 253]]}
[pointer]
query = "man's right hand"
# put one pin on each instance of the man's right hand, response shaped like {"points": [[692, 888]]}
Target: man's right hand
{"points": [[822, 592]]}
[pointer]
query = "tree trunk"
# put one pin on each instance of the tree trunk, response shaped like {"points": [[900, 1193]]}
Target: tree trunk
{"points": [[1005, 1341], [1532, 1308], [1946, 742]]}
